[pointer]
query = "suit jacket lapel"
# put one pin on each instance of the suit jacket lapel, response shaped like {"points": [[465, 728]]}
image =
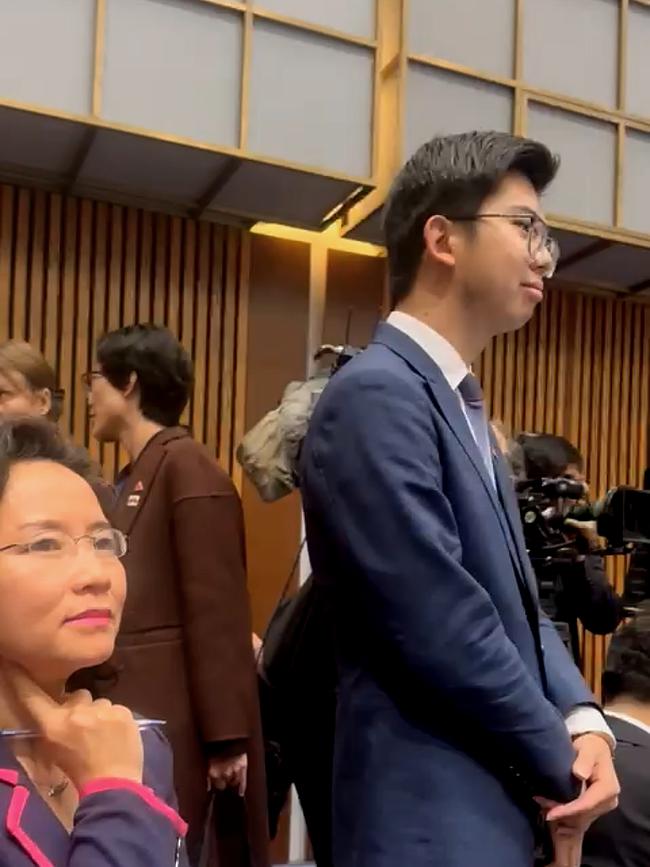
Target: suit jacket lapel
{"points": [[449, 404], [25, 818], [138, 484]]}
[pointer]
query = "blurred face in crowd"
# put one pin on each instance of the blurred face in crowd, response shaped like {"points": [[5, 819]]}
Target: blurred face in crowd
{"points": [[18, 398], [497, 259], [108, 407], [61, 602]]}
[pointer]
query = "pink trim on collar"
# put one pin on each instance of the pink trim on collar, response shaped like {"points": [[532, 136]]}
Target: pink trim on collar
{"points": [[8, 776], [19, 798], [107, 784]]}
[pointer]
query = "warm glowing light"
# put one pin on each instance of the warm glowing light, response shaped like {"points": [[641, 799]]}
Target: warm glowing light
{"points": [[329, 238]]}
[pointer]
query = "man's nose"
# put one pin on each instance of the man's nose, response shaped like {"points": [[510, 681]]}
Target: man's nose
{"points": [[542, 261]]}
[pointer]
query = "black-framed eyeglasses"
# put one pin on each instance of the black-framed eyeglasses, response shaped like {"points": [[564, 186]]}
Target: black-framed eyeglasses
{"points": [[55, 544], [539, 238], [88, 377]]}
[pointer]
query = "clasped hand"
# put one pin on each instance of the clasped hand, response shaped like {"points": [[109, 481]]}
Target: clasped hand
{"points": [[569, 822]]}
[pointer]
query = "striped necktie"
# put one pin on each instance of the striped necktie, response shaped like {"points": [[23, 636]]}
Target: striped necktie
{"points": [[470, 392]]}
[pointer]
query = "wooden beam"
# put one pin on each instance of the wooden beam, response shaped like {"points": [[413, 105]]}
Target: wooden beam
{"points": [[80, 158], [584, 253], [222, 177]]}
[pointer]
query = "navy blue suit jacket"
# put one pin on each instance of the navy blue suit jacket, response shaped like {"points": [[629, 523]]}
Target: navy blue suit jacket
{"points": [[116, 825], [453, 687]]}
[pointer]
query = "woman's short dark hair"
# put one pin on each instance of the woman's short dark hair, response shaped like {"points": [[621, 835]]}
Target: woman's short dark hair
{"points": [[627, 670], [163, 368], [452, 176], [37, 439], [547, 456]]}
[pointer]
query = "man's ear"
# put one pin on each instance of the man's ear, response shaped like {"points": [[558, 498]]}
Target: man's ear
{"points": [[439, 240], [131, 384]]}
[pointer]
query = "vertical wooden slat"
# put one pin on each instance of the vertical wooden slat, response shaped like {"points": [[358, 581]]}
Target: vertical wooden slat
{"points": [[22, 261], [6, 256], [188, 284], [98, 299], [542, 357], [577, 317], [115, 268], [160, 271], [584, 425], [530, 393], [241, 354], [228, 349], [202, 351], [53, 280], [37, 255], [553, 310], [67, 317], [174, 276], [130, 268], [83, 336], [214, 340], [144, 313], [510, 373]]}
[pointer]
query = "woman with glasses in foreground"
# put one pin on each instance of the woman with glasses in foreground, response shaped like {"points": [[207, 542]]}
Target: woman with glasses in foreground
{"points": [[82, 782]]}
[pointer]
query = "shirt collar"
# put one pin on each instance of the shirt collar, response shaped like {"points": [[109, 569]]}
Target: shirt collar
{"points": [[437, 348], [628, 719]]}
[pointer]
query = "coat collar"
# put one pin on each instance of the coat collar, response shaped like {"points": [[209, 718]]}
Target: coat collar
{"points": [[25, 817], [627, 732], [138, 478], [448, 402]]}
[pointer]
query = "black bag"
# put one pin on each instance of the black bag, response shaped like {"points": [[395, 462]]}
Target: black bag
{"points": [[298, 647], [206, 845]]}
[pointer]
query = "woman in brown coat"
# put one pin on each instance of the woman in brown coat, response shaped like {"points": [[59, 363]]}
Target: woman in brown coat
{"points": [[184, 651]]}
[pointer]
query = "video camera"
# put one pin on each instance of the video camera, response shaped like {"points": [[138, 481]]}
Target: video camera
{"points": [[622, 517]]}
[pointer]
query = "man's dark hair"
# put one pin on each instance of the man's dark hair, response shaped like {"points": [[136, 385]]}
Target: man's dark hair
{"points": [[163, 368], [627, 670], [547, 456], [452, 176], [37, 439]]}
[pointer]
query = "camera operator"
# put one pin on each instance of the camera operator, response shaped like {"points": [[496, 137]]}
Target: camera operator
{"points": [[580, 589]]}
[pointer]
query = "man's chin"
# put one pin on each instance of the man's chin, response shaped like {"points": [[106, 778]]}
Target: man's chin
{"points": [[102, 435]]}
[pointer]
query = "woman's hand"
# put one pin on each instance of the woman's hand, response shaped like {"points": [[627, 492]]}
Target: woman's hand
{"points": [[229, 773], [87, 739]]}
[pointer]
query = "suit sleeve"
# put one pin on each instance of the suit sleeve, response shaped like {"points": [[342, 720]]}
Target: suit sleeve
{"points": [[372, 475], [566, 685], [208, 539], [120, 823]]}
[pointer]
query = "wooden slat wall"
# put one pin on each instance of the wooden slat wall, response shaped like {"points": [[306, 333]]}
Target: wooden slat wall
{"points": [[581, 369], [71, 269]]}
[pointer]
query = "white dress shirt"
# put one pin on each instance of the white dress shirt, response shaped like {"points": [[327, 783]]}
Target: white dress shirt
{"points": [[583, 719]]}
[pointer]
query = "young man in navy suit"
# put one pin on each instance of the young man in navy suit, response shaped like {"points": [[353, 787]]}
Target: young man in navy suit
{"points": [[462, 722]]}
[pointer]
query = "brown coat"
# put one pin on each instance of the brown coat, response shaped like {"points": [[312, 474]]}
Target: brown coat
{"points": [[184, 651]]}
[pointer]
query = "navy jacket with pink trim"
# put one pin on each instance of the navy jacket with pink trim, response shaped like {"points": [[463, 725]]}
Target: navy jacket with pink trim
{"points": [[117, 823]]}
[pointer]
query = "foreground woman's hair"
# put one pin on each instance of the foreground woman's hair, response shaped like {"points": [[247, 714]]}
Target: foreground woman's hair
{"points": [[33, 439]]}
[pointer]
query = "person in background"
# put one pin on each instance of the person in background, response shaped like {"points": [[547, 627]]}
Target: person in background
{"points": [[622, 838], [80, 786], [581, 590], [509, 448], [184, 652], [28, 387], [458, 708], [27, 382]]}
